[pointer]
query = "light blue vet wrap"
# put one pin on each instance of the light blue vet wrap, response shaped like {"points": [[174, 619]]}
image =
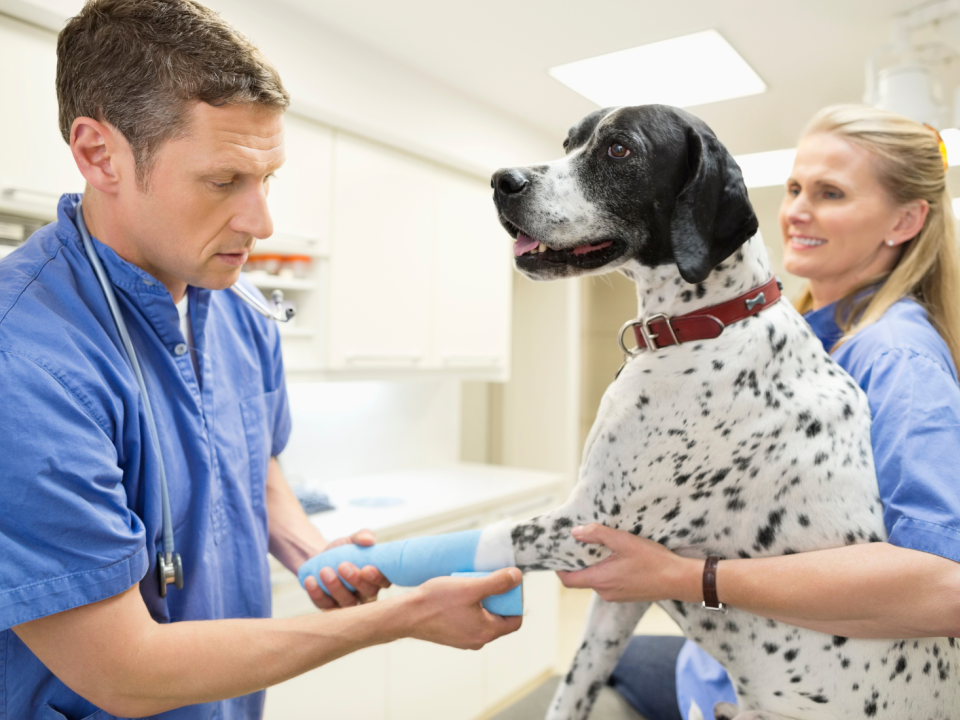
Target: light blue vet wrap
{"points": [[409, 563], [508, 604]]}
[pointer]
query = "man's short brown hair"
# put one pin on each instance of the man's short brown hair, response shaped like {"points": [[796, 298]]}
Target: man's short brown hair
{"points": [[140, 64]]}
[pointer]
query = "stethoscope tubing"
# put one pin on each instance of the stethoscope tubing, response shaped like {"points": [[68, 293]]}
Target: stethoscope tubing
{"points": [[107, 287]]}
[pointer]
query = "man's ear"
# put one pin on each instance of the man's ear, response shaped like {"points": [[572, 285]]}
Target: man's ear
{"points": [[102, 154], [713, 215]]}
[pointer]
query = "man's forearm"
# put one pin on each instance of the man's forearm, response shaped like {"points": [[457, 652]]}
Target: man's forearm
{"points": [[148, 668], [293, 538]]}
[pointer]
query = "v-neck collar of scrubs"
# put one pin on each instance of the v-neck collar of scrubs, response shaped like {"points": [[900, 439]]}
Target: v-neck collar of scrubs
{"points": [[145, 292]]}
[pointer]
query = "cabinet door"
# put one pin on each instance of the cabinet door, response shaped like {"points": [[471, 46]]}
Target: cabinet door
{"points": [[516, 660], [353, 687], [381, 258], [472, 283], [301, 192], [35, 163], [432, 681]]}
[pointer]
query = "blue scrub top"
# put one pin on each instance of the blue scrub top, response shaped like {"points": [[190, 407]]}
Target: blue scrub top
{"points": [[79, 486], [905, 368]]}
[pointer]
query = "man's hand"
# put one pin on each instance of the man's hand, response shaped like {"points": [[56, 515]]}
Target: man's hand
{"points": [[367, 581], [450, 612], [638, 570]]}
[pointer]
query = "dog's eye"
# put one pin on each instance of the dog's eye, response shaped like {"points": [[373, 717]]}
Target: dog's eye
{"points": [[617, 151], [566, 143]]}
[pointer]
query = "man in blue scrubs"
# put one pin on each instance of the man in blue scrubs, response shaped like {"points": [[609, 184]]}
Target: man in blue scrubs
{"points": [[176, 123]]}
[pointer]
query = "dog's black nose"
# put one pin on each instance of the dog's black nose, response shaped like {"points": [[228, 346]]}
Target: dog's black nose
{"points": [[509, 182]]}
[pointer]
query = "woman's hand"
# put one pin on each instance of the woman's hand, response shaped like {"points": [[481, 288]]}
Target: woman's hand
{"points": [[638, 570], [367, 581]]}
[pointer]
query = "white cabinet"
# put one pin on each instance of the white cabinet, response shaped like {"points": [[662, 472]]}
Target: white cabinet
{"points": [[420, 268], [473, 278], [301, 192], [36, 165], [382, 257]]}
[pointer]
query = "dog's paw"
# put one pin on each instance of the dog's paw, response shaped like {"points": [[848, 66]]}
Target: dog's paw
{"points": [[725, 711]]}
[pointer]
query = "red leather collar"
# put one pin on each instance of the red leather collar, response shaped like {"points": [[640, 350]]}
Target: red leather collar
{"points": [[660, 330]]}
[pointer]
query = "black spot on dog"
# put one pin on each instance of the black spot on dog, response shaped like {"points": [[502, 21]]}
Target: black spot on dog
{"points": [[839, 641], [770, 647], [791, 655]]}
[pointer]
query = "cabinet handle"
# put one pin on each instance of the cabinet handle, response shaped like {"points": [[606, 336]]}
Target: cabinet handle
{"points": [[37, 197], [467, 360], [383, 359]]}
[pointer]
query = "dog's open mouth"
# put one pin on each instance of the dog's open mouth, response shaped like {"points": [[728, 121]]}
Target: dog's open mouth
{"points": [[530, 252]]}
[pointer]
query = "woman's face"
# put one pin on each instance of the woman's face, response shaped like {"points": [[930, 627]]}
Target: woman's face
{"points": [[836, 218]]}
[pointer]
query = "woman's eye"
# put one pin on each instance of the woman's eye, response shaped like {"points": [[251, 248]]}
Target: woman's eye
{"points": [[617, 151], [832, 194]]}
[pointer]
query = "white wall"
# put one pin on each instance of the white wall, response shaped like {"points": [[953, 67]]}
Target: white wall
{"points": [[342, 429]]}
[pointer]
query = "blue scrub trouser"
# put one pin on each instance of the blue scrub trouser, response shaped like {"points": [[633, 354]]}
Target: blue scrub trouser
{"points": [[646, 676]]}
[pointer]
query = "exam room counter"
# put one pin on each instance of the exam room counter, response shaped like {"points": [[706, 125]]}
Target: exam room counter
{"points": [[410, 679]]}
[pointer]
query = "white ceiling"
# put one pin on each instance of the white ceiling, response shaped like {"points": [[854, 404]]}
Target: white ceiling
{"points": [[810, 53]]}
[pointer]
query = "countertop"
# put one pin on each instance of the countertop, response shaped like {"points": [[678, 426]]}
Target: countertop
{"points": [[398, 503]]}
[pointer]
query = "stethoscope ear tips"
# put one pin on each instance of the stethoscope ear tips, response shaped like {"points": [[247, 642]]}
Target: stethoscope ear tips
{"points": [[169, 570]]}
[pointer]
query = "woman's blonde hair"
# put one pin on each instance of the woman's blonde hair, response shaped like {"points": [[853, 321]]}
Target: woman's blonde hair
{"points": [[909, 167]]}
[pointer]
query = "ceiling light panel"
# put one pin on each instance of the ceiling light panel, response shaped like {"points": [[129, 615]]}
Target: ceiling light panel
{"points": [[689, 70]]}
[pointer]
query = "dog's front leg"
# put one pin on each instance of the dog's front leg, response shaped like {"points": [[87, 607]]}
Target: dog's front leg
{"points": [[605, 636], [545, 542]]}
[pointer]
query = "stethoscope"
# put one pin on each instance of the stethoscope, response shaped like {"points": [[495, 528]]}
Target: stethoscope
{"points": [[169, 565]]}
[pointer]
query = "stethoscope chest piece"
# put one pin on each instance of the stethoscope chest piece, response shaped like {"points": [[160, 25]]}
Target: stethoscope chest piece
{"points": [[169, 570]]}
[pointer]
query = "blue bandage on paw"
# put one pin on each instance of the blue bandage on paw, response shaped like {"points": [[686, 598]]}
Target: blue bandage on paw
{"points": [[507, 604], [407, 563]]}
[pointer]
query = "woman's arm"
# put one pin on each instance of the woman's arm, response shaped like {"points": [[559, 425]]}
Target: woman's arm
{"points": [[877, 590], [113, 654], [294, 539]]}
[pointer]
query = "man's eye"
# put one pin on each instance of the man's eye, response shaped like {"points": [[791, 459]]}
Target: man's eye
{"points": [[223, 185], [617, 151]]}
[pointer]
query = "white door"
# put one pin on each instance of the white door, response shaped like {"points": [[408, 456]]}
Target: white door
{"points": [[35, 162], [381, 257], [473, 282]]}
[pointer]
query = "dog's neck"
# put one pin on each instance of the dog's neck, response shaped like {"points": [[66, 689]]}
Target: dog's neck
{"points": [[662, 290]]}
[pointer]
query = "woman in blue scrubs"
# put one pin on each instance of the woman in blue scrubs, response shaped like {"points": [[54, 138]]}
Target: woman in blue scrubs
{"points": [[866, 219]]}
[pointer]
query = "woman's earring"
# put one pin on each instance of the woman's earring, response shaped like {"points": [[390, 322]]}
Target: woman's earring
{"points": [[890, 243]]}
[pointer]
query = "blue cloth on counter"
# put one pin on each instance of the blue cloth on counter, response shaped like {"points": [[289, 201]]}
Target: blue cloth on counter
{"points": [[407, 563], [79, 485], [907, 372]]}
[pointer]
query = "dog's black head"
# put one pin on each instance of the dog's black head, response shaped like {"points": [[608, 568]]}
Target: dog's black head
{"points": [[651, 183]]}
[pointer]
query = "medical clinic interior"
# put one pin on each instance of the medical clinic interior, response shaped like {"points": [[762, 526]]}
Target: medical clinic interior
{"points": [[432, 387]]}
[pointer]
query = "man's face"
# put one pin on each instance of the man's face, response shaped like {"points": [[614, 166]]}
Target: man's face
{"points": [[205, 205]]}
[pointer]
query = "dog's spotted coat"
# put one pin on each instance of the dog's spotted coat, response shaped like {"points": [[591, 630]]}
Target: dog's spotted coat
{"points": [[752, 444]]}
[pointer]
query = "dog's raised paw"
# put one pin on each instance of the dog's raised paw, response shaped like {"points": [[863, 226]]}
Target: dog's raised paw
{"points": [[725, 711]]}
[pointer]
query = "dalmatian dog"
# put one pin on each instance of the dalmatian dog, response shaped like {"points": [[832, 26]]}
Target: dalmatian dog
{"points": [[750, 444]]}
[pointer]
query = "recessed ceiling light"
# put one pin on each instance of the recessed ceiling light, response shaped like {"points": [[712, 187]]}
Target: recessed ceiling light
{"points": [[764, 169], [688, 70]]}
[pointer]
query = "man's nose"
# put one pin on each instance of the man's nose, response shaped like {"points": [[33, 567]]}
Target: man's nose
{"points": [[509, 181], [254, 216]]}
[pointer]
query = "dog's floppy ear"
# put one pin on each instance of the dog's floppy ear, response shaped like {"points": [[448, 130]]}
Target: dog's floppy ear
{"points": [[713, 215]]}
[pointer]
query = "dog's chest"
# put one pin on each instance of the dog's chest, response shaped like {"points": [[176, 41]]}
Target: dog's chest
{"points": [[754, 443]]}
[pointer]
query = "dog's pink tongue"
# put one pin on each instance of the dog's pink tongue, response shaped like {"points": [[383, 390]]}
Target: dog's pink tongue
{"points": [[584, 249], [524, 244]]}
